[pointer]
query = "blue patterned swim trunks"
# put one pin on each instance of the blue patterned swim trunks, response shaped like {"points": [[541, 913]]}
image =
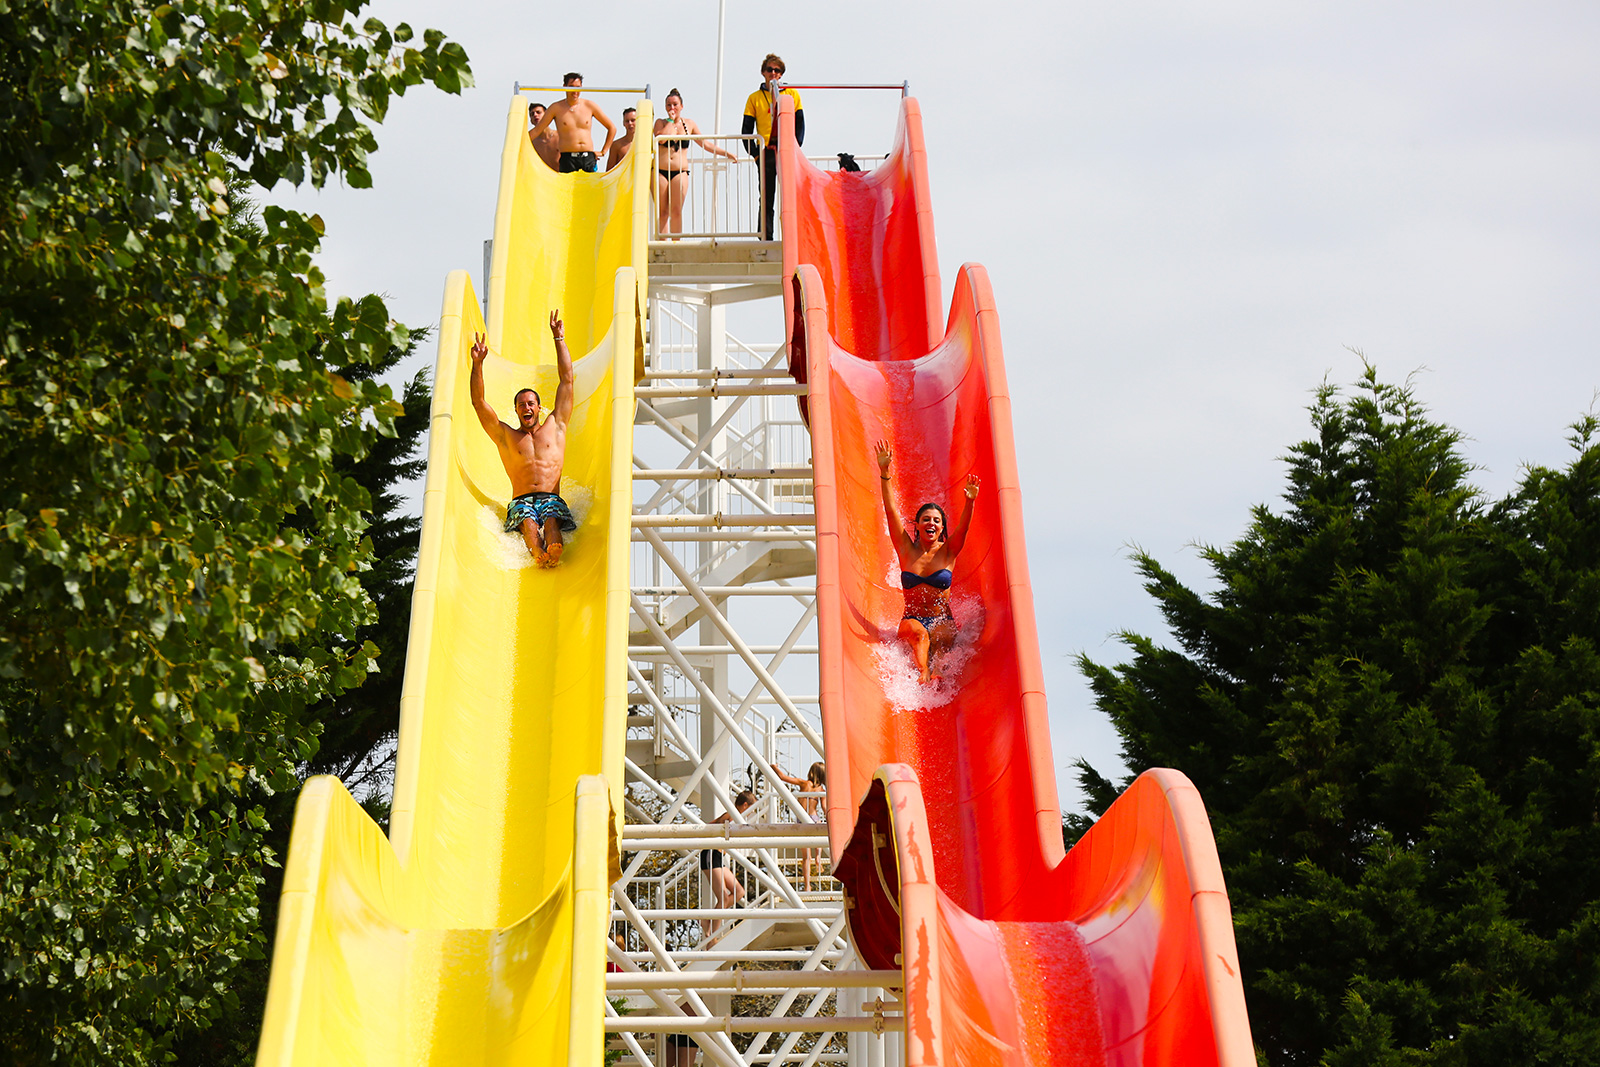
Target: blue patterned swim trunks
{"points": [[539, 507]]}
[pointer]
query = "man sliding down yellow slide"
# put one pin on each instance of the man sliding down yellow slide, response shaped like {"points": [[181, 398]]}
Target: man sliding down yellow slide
{"points": [[532, 452]]}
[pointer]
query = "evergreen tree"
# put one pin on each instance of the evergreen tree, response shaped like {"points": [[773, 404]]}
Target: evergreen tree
{"points": [[180, 552], [1391, 706]]}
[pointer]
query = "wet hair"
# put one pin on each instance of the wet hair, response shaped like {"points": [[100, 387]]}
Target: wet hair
{"points": [[775, 60], [571, 76], [629, 111], [818, 773], [518, 395], [673, 92], [944, 520], [531, 105], [743, 798]]}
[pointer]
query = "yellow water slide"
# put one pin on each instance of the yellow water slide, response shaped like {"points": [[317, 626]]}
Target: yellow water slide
{"points": [[474, 933]]}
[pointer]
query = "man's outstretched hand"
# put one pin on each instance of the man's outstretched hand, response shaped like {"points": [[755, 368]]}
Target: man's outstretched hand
{"points": [[558, 332], [480, 348]]}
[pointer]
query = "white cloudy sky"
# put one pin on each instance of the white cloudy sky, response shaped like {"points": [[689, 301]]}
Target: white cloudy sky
{"points": [[1191, 212]]}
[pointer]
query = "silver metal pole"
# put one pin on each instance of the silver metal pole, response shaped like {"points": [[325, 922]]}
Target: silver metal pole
{"points": [[722, 32], [716, 119], [488, 262]]}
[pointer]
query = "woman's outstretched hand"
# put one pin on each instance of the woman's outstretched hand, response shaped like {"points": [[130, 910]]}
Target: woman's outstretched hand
{"points": [[971, 488], [885, 456]]}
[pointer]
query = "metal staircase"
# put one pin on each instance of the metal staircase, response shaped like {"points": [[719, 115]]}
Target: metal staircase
{"points": [[723, 683]]}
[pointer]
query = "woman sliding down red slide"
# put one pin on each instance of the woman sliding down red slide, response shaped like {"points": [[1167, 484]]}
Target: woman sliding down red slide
{"points": [[942, 807], [926, 556]]}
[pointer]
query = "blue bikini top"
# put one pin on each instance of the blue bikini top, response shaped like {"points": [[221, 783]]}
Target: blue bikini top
{"points": [[939, 579]]}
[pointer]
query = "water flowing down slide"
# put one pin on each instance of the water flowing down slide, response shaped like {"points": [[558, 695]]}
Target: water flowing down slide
{"points": [[942, 806], [474, 933]]}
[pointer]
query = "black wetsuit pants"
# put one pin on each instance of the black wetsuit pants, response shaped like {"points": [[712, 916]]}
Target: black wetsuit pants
{"points": [[769, 188]]}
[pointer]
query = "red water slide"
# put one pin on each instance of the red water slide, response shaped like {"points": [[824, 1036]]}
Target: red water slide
{"points": [[942, 806]]}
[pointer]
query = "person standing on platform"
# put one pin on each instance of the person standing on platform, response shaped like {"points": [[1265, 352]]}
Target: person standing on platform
{"points": [[725, 886], [815, 782], [619, 147], [573, 118], [761, 119], [672, 163], [545, 144]]}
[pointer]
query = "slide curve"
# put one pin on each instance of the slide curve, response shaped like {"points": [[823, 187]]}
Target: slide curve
{"points": [[474, 933], [942, 809]]}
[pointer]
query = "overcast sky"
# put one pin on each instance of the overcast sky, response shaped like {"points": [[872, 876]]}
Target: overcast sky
{"points": [[1192, 213]]}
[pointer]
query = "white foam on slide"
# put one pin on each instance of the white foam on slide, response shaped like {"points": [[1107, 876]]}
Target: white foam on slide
{"points": [[510, 551], [897, 671]]}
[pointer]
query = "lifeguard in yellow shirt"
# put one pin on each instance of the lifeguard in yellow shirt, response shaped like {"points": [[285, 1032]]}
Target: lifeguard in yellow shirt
{"points": [[759, 115]]}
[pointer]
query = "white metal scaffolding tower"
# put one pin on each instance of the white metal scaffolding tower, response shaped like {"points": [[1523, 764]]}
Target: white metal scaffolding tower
{"points": [[723, 697]]}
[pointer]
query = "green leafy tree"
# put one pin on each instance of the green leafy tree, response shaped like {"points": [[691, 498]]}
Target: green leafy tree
{"points": [[1391, 705], [181, 551], [359, 726]]}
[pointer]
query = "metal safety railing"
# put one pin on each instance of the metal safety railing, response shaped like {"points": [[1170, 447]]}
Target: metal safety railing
{"points": [[904, 87], [703, 193], [518, 87]]}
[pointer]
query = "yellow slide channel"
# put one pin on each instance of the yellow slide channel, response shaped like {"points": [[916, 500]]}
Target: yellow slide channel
{"points": [[475, 932]]}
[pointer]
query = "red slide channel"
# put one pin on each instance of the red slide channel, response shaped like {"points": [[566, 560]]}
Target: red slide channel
{"points": [[942, 806]]}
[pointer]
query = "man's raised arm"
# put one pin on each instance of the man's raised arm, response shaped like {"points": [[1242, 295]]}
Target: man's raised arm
{"points": [[544, 120], [486, 415], [611, 131], [558, 333]]}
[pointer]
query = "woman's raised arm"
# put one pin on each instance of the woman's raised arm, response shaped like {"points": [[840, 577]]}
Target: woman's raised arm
{"points": [[958, 537], [885, 456]]}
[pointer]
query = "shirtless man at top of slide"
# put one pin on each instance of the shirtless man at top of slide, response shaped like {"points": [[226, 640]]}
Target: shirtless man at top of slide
{"points": [[545, 144], [532, 452], [572, 117]]}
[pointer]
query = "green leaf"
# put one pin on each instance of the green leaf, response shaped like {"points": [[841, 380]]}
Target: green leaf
{"points": [[179, 549]]}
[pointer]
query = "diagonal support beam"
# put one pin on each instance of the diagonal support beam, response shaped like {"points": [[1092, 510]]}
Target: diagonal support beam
{"points": [[719, 620], [695, 449], [665, 717], [812, 963], [709, 699], [721, 1051]]}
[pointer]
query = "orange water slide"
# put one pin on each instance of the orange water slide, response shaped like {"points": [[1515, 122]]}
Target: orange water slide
{"points": [[942, 806]]}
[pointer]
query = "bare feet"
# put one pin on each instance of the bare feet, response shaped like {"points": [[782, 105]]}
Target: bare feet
{"points": [[552, 556]]}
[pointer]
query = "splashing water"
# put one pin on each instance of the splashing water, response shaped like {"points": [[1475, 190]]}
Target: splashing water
{"points": [[897, 670], [510, 552]]}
